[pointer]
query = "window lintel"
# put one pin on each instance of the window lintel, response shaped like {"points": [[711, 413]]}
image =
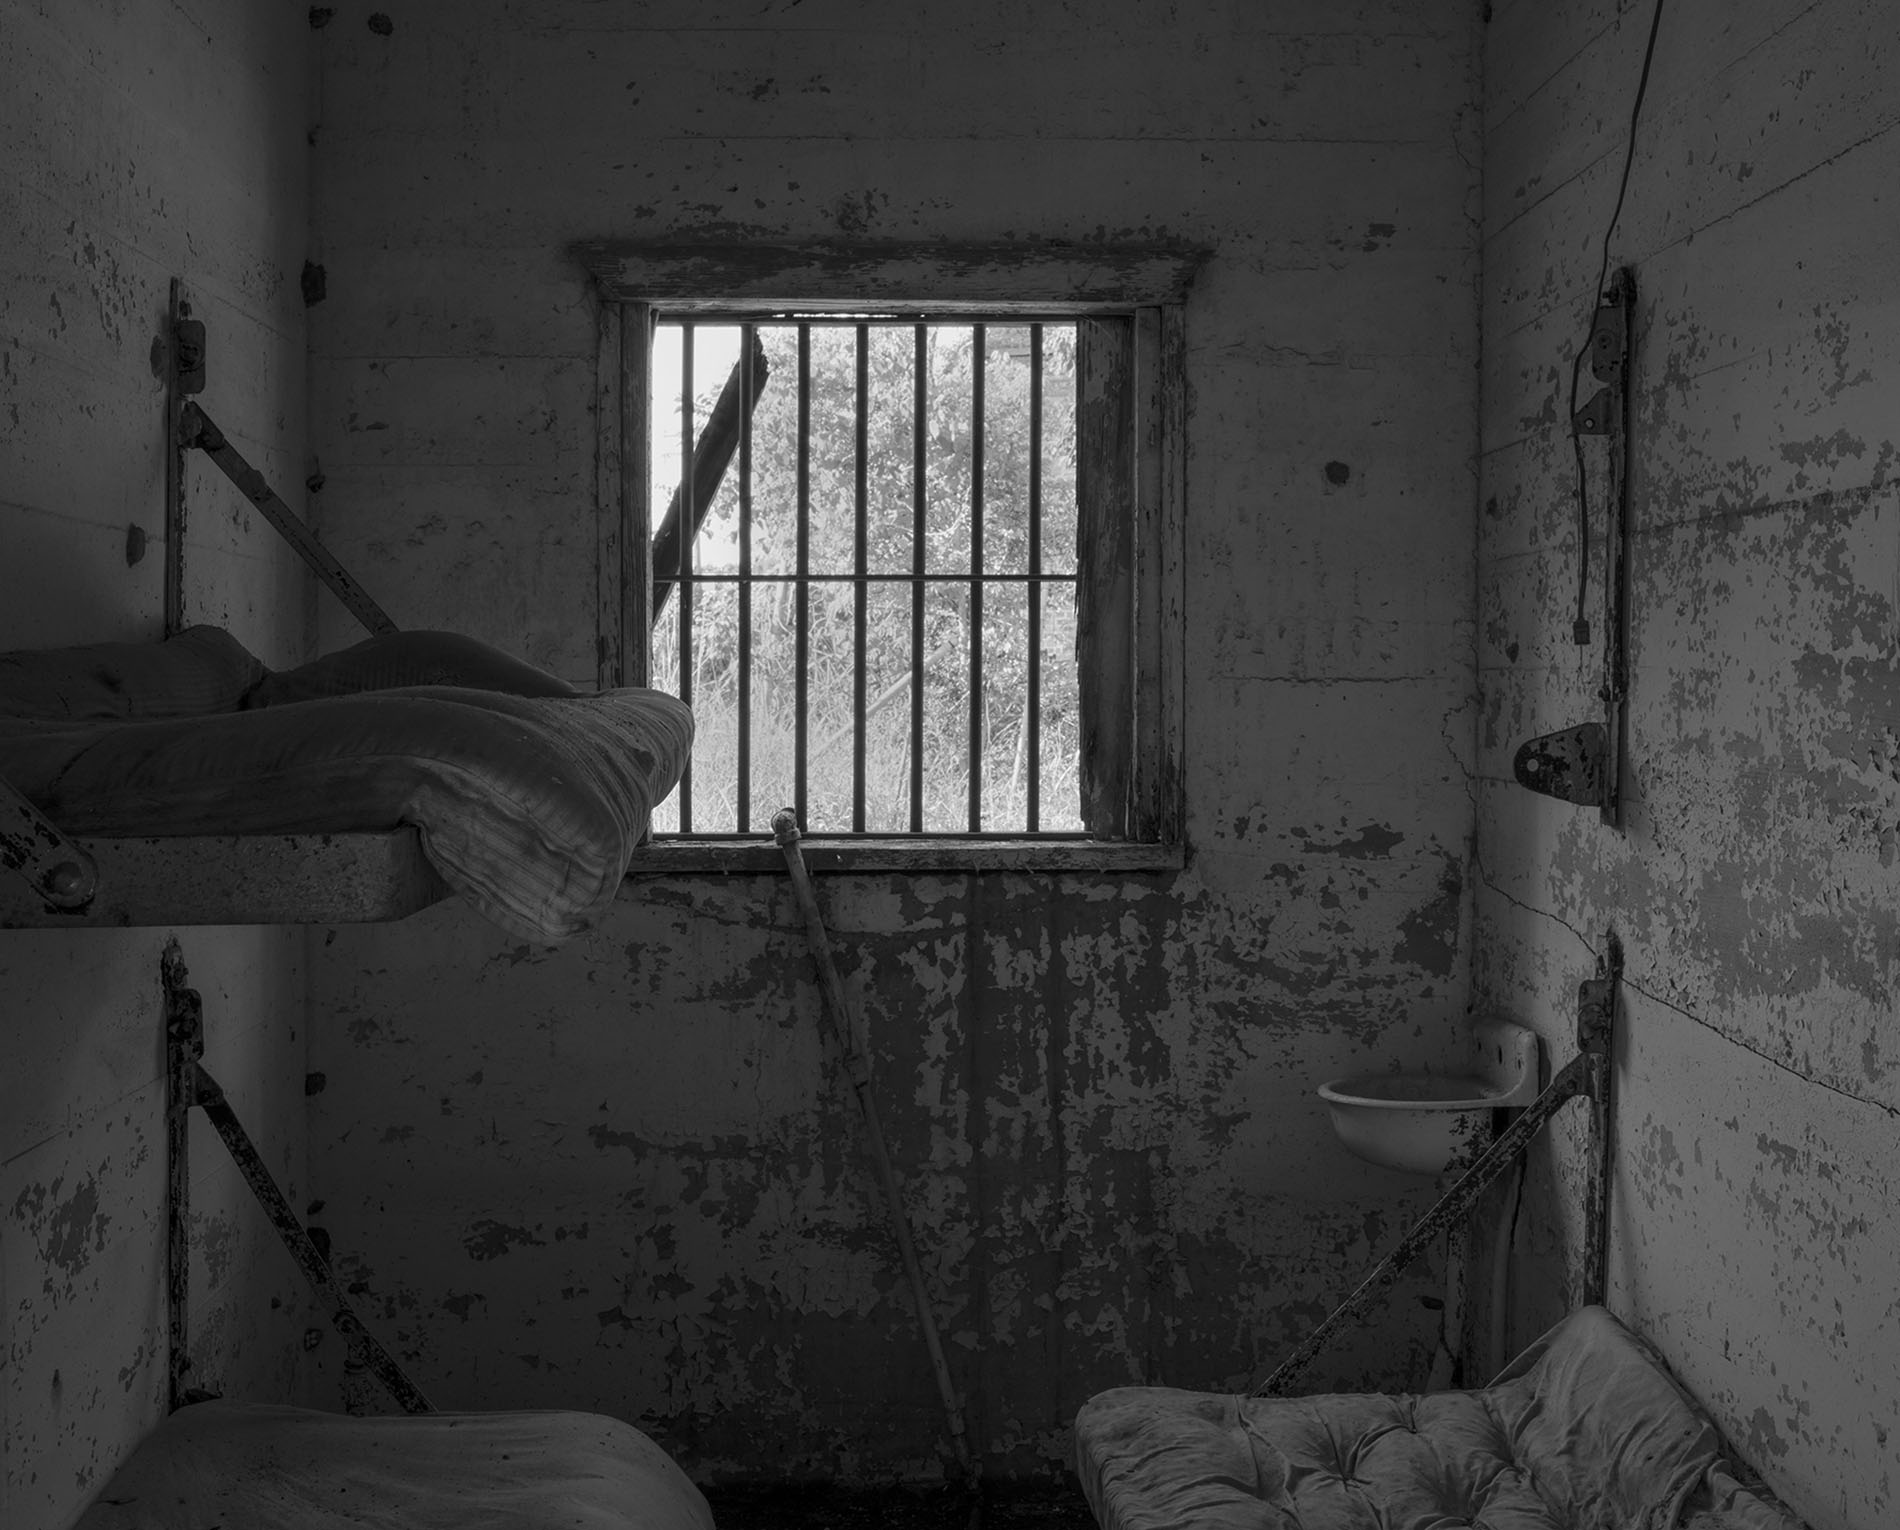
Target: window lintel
{"points": [[1055, 278]]}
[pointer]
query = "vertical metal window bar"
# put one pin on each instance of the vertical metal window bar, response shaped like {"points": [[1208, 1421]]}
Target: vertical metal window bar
{"points": [[920, 402], [1032, 744], [801, 680], [747, 339], [688, 520], [862, 567], [634, 664], [978, 347]]}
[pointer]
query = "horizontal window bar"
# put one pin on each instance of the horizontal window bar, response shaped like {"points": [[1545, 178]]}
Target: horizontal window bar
{"points": [[700, 576], [1059, 836], [769, 317], [1043, 855]]}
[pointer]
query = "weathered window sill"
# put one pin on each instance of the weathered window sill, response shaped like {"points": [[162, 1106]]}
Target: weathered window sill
{"points": [[671, 857]]}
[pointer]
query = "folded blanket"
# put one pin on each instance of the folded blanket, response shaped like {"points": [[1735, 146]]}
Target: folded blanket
{"points": [[531, 806]]}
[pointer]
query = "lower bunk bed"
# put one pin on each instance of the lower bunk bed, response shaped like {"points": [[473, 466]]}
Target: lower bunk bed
{"points": [[1586, 1430], [253, 1466], [223, 1464]]}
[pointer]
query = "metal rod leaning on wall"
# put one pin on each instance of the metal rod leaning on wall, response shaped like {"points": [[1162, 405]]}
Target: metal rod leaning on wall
{"points": [[1585, 1076], [848, 1030], [192, 1085]]}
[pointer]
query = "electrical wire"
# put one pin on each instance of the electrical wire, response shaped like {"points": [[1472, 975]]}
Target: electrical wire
{"points": [[1580, 628]]}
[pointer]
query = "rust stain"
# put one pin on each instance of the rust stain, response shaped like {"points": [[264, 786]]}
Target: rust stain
{"points": [[489, 1239], [69, 1231], [1371, 840], [215, 1236], [1764, 1440]]}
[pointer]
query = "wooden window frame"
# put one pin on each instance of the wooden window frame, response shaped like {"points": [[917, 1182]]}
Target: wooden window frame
{"points": [[1131, 600]]}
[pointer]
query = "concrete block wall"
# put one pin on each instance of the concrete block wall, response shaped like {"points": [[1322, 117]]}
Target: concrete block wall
{"points": [[1755, 885], [142, 142], [621, 1175]]}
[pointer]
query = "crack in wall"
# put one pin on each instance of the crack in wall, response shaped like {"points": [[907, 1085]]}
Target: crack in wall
{"points": [[1775, 190], [1484, 876], [1709, 1025]]}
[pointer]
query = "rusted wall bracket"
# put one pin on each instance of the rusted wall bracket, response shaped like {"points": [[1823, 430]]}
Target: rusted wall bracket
{"points": [[1602, 414], [192, 1085], [1611, 356], [188, 426], [1584, 764], [61, 873], [1596, 1040], [1569, 764], [184, 1044], [184, 375]]}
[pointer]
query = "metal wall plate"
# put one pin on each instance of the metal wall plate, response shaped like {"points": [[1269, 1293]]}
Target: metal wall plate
{"points": [[1569, 764]]}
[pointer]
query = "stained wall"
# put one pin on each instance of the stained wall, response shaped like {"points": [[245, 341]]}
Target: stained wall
{"points": [[623, 1174], [142, 143], [1754, 884]]}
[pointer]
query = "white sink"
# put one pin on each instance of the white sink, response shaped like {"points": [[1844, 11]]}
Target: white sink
{"points": [[1426, 1122]]}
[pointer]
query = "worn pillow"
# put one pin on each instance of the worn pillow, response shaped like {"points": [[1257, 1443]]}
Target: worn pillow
{"points": [[200, 671], [400, 660]]}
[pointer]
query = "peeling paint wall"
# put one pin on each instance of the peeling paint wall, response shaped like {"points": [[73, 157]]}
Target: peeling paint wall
{"points": [[141, 142], [623, 1175], [1755, 886]]}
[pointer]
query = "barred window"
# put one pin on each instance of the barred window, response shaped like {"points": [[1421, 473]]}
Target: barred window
{"points": [[914, 565], [874, 621]]}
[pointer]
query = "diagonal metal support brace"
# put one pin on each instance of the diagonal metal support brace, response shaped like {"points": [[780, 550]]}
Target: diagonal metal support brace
{"points": [[1570, 1082], [193, 1085], [196, 428], [1585, 1076]]}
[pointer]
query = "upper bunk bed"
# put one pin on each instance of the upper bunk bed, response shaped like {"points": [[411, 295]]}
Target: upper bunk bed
{"points": [[184, 783]]}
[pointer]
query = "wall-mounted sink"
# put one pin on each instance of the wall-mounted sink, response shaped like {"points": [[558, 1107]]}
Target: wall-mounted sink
{"points": [[1428, 1121]]}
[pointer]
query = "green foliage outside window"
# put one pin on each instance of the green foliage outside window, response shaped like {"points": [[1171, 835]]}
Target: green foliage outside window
{"points": [[1004, 701]]}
